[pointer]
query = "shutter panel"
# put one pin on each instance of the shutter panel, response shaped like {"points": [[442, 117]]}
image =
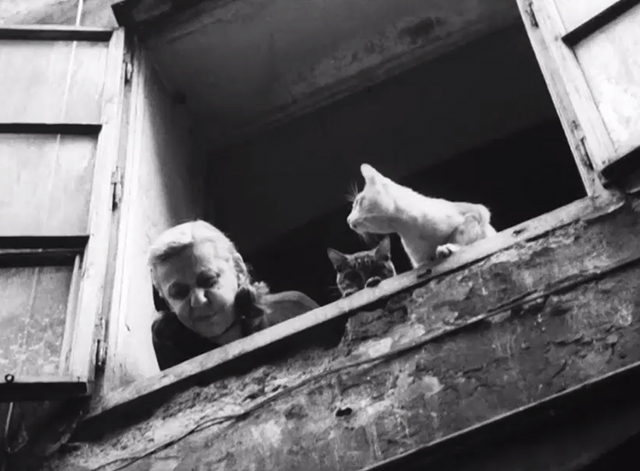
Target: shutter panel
{"points": [[589, 53], [61, 94]]}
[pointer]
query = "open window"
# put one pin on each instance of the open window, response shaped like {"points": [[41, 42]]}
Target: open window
{"points": [[60, 90], [224, 128]]}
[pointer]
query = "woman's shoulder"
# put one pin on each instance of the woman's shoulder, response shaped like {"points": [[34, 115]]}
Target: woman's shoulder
{"points": [[284, 306], [290, 300]]}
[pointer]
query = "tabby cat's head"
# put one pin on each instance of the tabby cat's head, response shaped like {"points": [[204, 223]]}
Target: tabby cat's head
{"points": [[362, 269]]}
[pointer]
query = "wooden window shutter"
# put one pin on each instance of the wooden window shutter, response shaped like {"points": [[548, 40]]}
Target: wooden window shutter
{"points": [[61, 94], [589, 53]]}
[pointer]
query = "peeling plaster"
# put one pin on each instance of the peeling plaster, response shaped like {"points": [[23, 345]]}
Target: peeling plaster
{"points": [[441, 388], [374, 348]]}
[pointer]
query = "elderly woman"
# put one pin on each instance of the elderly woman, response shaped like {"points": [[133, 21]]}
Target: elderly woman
{"points": [[205, 296]]}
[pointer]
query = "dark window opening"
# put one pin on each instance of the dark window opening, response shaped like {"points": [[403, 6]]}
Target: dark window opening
{"points": [[476, 124], [519, 177]]}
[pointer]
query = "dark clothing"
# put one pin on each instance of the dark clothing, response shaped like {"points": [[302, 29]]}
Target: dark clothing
{"points": [[175, 343]]}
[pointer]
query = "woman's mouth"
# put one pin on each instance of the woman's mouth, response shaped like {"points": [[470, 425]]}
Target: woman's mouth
{"points": [[203, 316]]}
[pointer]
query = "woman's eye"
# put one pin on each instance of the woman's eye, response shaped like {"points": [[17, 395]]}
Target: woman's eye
{"points": [[208, 281], [179, 292]]}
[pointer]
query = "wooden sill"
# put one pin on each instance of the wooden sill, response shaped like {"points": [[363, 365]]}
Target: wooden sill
{"points": [[611, 392], [182, 376]]}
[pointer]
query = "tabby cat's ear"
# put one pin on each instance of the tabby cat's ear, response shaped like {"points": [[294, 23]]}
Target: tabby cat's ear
{"points": [[337, 258], [383, 249], [159, 302]]}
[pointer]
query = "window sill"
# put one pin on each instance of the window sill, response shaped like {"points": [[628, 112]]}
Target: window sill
{"points": [[180, 377]]}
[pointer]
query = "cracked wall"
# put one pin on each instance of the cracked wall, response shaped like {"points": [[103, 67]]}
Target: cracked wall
{"points": [[520, 326]]}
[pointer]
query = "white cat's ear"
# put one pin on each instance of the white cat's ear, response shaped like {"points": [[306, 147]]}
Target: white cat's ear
{"points": [[384, 248], [370, 174], [337, 258]]}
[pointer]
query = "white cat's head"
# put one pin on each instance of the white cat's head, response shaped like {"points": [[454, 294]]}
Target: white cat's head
{"points": [[373, 208]]}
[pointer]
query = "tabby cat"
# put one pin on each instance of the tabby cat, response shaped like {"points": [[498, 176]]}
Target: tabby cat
{"points": [[429, 228], [362, 269]]}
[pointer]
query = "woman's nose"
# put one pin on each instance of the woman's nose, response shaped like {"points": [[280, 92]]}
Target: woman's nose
{"points": [[198, 297]]}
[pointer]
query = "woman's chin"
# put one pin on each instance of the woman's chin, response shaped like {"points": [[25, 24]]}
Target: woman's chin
{"points": [[209, 330], [212, 322]]}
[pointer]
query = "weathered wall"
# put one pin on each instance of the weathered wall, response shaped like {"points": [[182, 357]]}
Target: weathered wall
{"points": [[565, 309], [162, 187]]}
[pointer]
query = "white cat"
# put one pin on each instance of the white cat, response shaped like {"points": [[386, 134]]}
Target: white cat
{"points": [[429, 228]]}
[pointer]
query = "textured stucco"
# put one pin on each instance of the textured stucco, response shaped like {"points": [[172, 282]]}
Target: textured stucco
{"points": [[572, 314]]}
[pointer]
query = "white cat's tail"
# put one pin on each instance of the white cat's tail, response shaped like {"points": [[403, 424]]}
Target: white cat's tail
{"points": [[477, 222], [484, 217]]}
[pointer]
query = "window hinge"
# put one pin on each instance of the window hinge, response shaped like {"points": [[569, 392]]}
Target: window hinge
{"points": [[101, 346], [581, 148], [101, 355], [128, 68], [116, 188], [531, 14]]}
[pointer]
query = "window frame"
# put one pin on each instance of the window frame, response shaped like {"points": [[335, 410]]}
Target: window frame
{"points": [[586, 135], [164, 384], [84, 309]]}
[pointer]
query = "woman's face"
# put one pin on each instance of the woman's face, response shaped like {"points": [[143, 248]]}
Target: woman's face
{"points": [[200, 285]]}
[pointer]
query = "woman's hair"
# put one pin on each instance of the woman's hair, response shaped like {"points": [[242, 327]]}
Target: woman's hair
{"points": [[177, 239]]}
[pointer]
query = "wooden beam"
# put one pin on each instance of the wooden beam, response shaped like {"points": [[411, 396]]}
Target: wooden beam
{"points": [[140, 15], [56, 33], [77, 242], [606, 16], [37, 257], [40, 388], [81, 129], [180, 377]]}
